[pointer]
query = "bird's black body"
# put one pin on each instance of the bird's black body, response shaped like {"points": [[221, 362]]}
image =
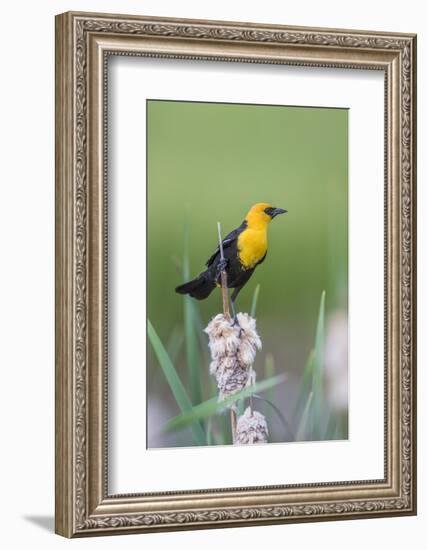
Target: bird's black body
{"points": [[244, 249], [237, 275]]}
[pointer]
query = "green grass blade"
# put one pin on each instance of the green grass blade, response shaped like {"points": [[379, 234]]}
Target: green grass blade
{"points": [[192, 350], [213, 406], [318, 370], [174, 382], [330, 428], [284, 421], [306, 384], [255, 300], [209, 432], [240, 407], [191, 330], [175, 343], [224, 430], [319, 346], [302, 427], [201, 335], [269, 372], [340, 430], [312, 378]]}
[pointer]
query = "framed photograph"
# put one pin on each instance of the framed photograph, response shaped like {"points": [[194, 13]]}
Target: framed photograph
{"points": [[235, 274]]}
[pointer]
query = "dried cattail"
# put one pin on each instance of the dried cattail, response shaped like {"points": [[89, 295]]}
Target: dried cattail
{"points": [[223, 337], [249, 340], [233, 349], [251, 428]]}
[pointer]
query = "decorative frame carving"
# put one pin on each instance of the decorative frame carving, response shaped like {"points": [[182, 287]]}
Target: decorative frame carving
{"points": [[83, 42]]}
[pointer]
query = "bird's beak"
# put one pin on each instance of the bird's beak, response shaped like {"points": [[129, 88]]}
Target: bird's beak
{"points": [[277, 211]]}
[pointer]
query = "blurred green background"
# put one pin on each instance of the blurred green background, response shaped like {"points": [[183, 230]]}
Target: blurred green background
{"points": [[210, 162]]}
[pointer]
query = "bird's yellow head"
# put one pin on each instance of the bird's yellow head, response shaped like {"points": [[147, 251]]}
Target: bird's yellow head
{"points": [[261, 214]]}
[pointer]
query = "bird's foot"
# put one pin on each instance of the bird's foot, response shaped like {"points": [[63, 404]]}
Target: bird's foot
{"points": [[221, 266]]}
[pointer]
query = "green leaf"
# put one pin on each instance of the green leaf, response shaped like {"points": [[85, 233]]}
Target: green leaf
{"points": [[174, 382], [302, 427], [255, 300], [213, 406]]}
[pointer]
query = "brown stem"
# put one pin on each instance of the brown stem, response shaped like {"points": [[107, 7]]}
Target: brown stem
{"points": [[226, 313], [251, 401], [224, 287], [233, 418]]}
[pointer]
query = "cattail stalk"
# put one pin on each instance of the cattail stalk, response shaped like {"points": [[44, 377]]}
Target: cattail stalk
{"points": [[226, 312], [233, 347], [224, 287]]}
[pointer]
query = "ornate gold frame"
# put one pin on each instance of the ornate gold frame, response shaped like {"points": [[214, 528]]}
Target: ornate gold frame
{"points": [[83, 42]]}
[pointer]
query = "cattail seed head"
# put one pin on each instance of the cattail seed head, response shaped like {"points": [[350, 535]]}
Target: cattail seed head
{"points": [[230, 376], [251, 428], [233, 348]]}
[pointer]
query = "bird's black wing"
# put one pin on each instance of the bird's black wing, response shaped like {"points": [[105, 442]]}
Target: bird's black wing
{"points": [[227, 241]]}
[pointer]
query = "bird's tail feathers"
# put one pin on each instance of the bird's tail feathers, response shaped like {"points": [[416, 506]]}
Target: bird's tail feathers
{"points": [[198, 288]]}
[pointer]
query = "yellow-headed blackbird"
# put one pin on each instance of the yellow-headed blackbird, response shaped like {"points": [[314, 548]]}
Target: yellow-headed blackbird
{"points": [[244, 249]]}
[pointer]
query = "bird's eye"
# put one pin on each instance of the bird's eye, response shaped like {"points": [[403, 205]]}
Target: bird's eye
{"points": [[269, 211]]}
